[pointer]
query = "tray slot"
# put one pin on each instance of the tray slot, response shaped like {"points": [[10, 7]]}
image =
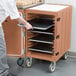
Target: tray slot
{"points": [[47, 32], [40, 32], [30, 44], [43, 39], [41, 48], [30, 34]]}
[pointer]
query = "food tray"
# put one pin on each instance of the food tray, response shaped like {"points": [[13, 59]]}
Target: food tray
{"points": [[47, 32], [41, 48], [41, 23], [43, 39]]}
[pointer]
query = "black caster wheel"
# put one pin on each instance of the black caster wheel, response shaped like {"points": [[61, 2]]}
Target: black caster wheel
{"points": [[52, 67], [65, 56], [20, 61], [28, 62]]}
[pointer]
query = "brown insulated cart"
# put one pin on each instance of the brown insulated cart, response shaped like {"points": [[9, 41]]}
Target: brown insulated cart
{"points": [[50, 38]]}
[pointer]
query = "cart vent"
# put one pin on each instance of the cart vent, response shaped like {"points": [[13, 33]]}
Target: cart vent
{"points": [[57, 37], [58, 19], [57, 53]]}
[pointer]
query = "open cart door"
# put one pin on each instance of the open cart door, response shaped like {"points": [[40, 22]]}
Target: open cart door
{"points": [[14, 35]]}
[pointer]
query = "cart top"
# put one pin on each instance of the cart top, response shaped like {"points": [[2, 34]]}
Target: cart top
{"points": [[47, 7]]}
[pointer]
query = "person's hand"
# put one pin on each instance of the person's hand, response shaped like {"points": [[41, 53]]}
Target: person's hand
{"points": [[26, 24]]}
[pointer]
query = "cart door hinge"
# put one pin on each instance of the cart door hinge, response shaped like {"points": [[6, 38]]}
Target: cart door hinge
{"points": [[24, 16], [23, 34], [24, 51]]}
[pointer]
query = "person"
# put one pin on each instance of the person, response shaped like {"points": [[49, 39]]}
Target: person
{"points": [[8, 8]]}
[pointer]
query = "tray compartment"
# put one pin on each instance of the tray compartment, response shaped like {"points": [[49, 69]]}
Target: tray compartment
{"points": [[43, 39], [40, 48], [47, 32], [42, 23]]}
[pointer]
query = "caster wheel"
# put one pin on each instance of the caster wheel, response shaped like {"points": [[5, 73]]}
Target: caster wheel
{"points": [[20, 61], [52, 67], [28, 62], [65, 56]]}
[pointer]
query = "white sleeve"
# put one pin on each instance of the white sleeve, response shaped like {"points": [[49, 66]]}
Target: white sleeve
{"points": [[10, 8]]}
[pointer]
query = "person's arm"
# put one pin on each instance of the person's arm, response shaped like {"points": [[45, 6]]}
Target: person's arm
{"points": [[10, 7], [27, 25]]}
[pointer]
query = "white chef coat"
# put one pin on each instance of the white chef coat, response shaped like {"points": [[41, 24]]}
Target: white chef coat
{"points": [[8, 8]]}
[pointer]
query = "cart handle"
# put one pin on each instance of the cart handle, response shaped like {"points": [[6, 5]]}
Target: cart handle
{"points": [[22, 26]]}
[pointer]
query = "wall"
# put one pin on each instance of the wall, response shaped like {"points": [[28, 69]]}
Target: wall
{"points": [[73, 33]]}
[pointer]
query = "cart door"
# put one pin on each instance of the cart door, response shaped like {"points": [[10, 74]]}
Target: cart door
{"points": [[12, 37]]}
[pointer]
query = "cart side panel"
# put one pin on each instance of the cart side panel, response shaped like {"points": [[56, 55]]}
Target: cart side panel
{"points": [[67, 30], [69, 23], [64, 31]]}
